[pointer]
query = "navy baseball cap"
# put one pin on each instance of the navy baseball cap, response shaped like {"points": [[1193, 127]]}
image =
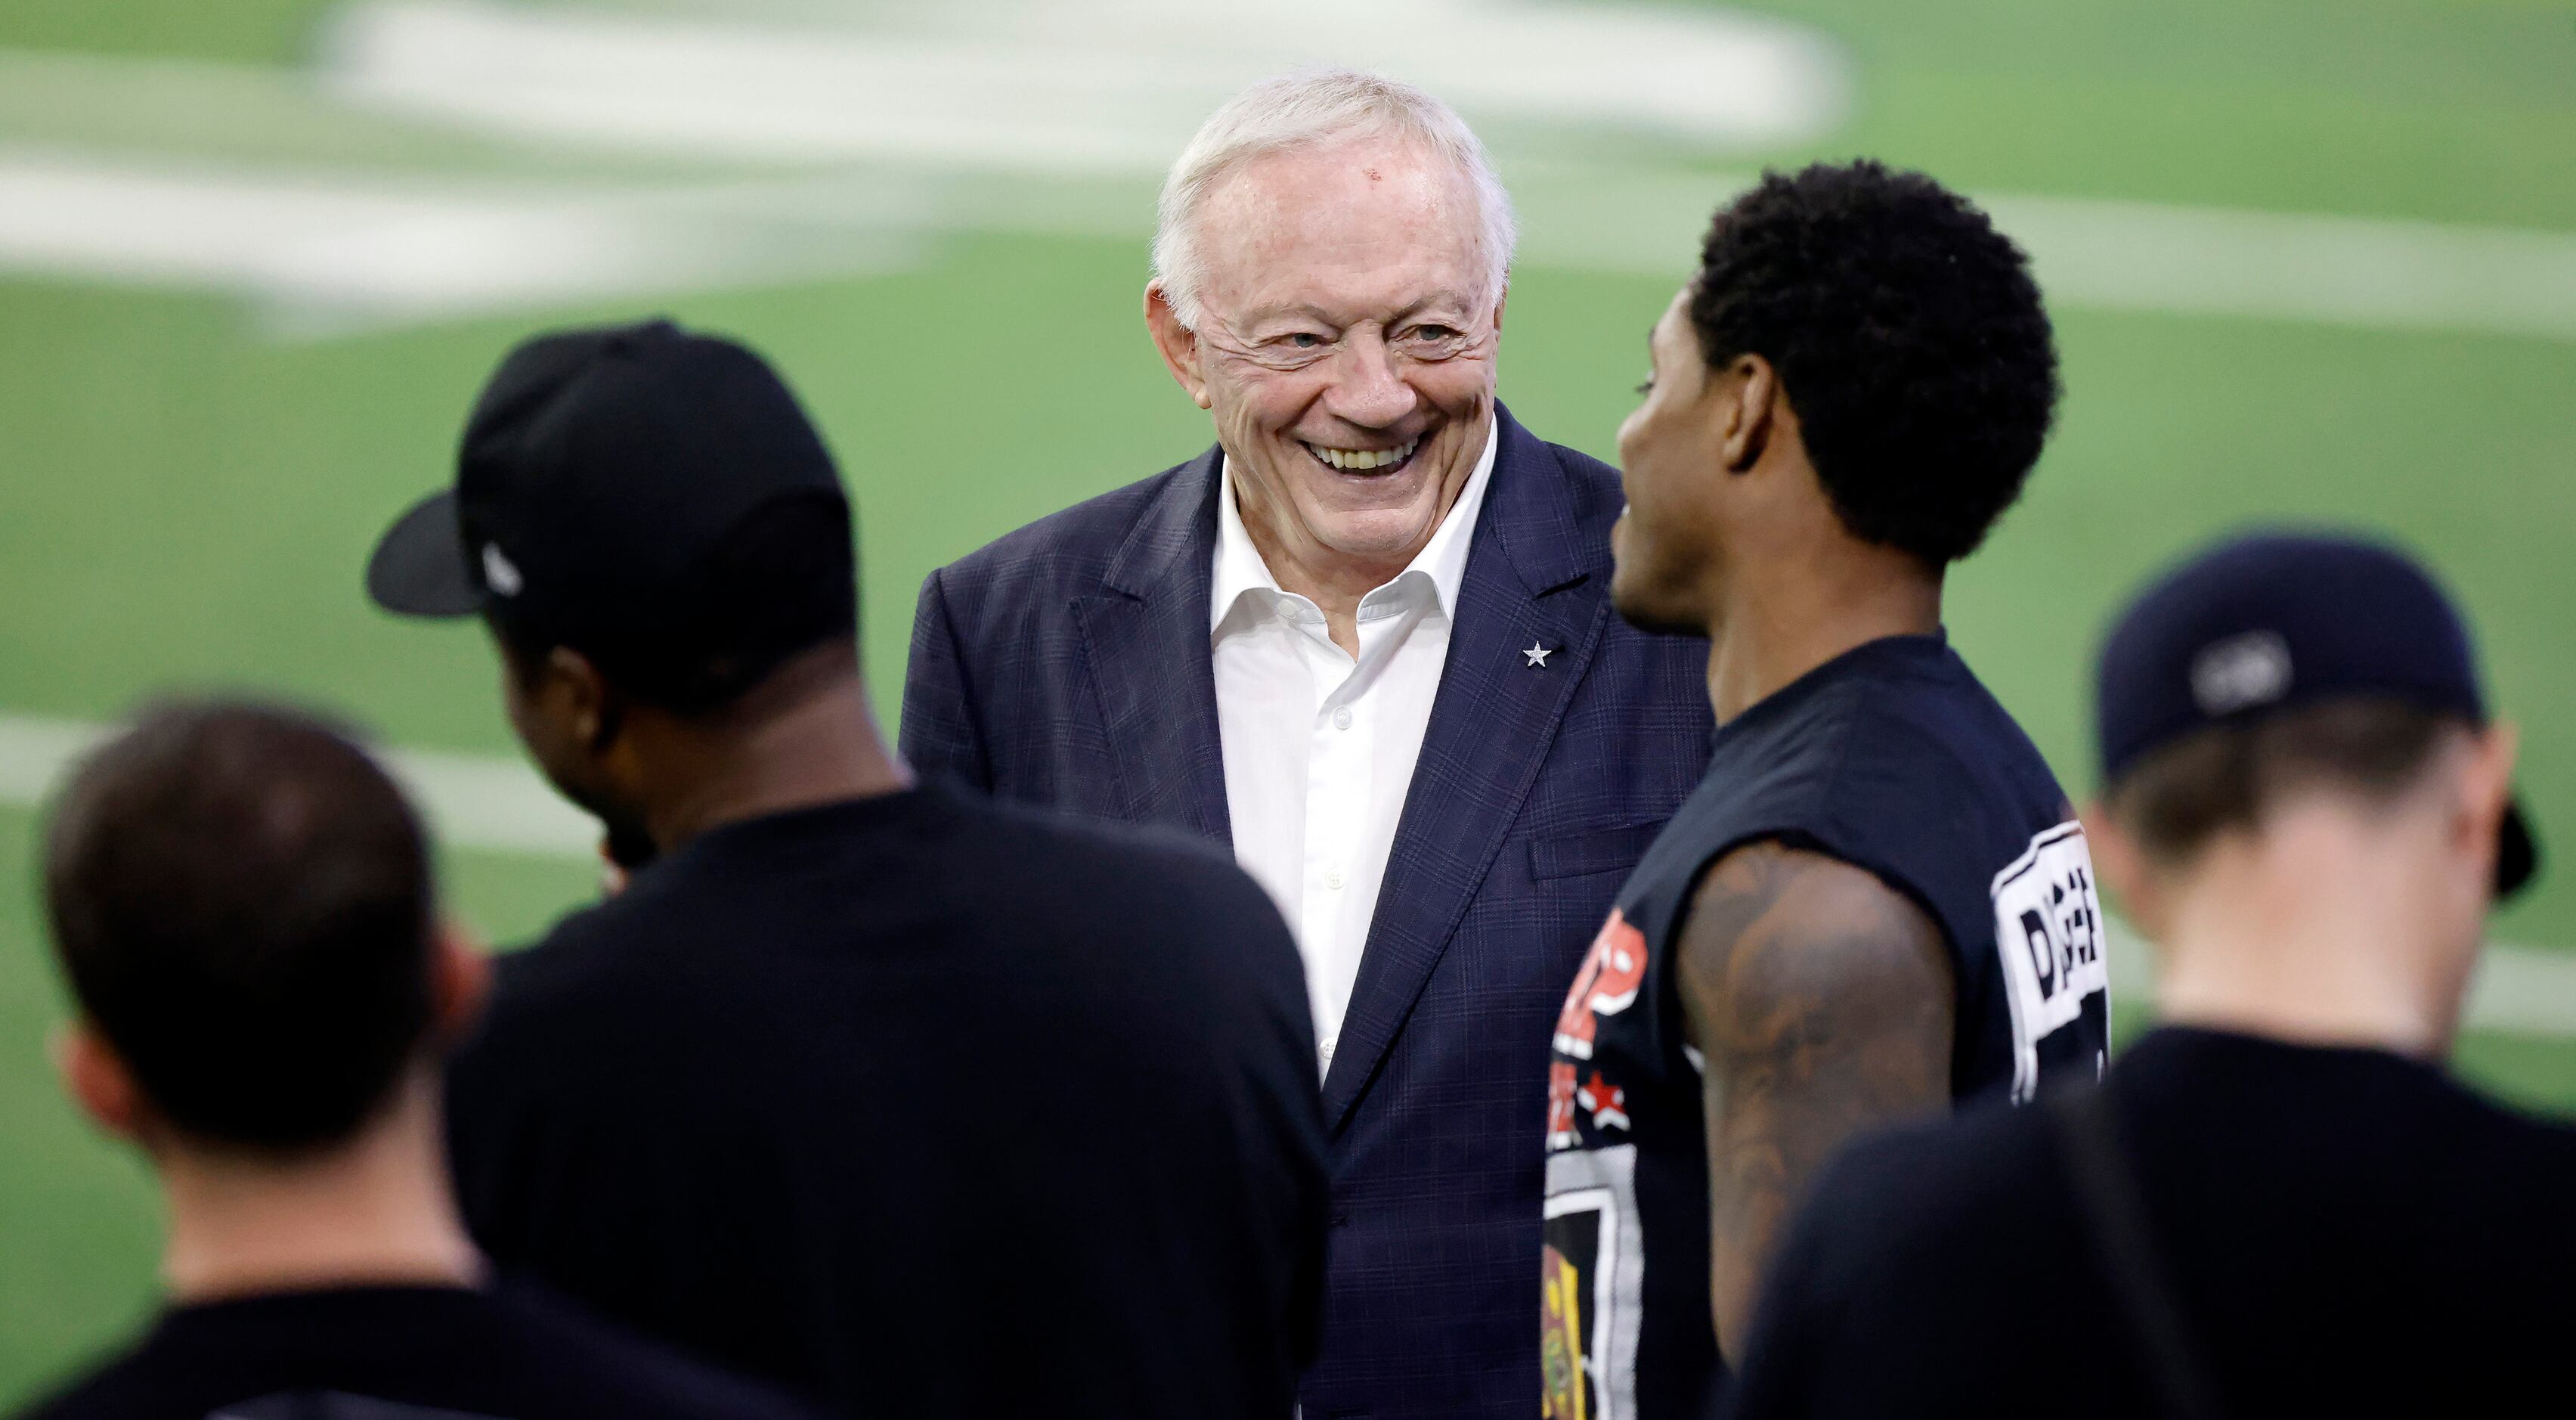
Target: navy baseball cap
{"points": [[2267, 621], [599, 471]]}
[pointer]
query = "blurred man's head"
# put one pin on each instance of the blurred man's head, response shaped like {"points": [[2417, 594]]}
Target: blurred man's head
{"points": [[1861, 357], [659, 542], [2286, 716], [2439, 782], [1329, 278], [243, 904], [788, 628]]}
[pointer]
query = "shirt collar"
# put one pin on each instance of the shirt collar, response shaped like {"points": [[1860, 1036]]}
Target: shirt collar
{"points": [[1240, 569]]}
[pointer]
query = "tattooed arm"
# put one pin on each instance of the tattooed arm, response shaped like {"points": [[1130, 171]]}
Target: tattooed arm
{"points": [[1822, 1001]]}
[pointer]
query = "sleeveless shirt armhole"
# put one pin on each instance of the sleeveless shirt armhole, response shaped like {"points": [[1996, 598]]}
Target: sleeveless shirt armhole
{"points": [[1671, 1020]]}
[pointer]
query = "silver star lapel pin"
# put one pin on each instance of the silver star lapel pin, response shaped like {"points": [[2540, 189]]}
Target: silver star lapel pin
{"points": [[1538, 654]]}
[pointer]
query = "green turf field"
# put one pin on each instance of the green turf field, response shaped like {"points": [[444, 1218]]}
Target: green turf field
{"points": [[185, 502]]}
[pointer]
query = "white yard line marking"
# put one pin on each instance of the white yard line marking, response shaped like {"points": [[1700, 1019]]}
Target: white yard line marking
{"points": [[497, 804], [2524, 991], [471, 800], [2137, 256], [2094, 254], [1115, 85], [325, 251]]}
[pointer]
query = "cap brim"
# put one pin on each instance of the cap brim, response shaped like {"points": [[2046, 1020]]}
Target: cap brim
{"points": [[419, 565], [2517, 852]]}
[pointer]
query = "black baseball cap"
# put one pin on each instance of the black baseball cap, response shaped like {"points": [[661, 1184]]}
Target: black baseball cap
{"points": [[2268, 621], [600, 471]]}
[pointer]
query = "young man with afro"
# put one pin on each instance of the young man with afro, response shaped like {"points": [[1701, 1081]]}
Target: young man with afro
{"points": [[1878, 902]]}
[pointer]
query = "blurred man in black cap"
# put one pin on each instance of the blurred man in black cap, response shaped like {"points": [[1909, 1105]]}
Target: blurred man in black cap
{"points": [[921, 1104], [243, 904], [2278, 1203]]}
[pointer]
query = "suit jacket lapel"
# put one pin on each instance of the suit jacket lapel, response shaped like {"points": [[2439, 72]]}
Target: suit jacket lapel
{"points": [[1527, 585], [1146, 642]]}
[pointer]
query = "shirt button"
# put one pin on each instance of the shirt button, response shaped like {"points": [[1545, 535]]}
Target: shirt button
{"points": [[1342, 718], [1333, 879], [1326, 1046]]}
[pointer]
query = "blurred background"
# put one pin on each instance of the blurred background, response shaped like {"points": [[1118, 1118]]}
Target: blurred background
{"points": [[2308, 258]]}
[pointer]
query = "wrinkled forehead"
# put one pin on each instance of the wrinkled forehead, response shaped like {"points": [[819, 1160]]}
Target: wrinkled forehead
{"points": [[1363, 228]]}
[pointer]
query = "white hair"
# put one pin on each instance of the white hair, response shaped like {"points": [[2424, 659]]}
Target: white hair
{"points": [[1309, 108]]}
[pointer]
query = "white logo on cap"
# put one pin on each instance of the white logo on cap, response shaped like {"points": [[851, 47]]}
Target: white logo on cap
{"points": [[498, 573], [2240, 672]]}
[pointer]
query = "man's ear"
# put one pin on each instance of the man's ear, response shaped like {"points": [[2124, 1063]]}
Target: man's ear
{"points": [[460, 981], [1178, 345], [1751, 391], [2119, 866], [96, 1078], [2486, 785], [593, 709]]}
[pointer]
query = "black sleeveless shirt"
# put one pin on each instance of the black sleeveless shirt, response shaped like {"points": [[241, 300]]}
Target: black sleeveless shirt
{"points": [[1891, 757]]}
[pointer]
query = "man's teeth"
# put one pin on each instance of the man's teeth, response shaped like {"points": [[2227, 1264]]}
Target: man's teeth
{"points": [[1361, 459]]}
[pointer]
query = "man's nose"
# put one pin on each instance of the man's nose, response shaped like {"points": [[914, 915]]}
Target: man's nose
{"points": [[1370, 392]]}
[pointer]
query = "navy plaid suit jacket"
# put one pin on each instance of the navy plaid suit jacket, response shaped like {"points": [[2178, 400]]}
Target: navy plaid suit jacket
{"points": [[1069, 664]]}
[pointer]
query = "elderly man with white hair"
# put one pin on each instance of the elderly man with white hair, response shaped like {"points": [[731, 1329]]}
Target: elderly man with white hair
{"points": [[1366, 642]]}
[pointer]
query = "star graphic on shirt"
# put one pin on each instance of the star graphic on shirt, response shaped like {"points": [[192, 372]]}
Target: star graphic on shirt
{"points": [[1538, 654]]}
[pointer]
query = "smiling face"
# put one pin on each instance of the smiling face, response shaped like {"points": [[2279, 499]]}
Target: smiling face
{"points": [[1346, 349]]}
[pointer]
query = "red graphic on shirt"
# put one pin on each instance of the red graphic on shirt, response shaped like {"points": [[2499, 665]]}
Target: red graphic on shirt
{"points": [[1608, 1102], [1560, 1105], [1605, 986]]}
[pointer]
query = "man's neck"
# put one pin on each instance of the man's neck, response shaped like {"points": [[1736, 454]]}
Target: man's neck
{"points": [[374, 1211], [2319, 933], [1335, 583], [1783, 619], [819, 744]]}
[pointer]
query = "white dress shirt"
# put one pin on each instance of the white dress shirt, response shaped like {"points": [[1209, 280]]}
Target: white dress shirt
{"points": [[1319, 746]]}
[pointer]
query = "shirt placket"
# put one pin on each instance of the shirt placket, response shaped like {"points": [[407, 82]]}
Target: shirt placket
{"points": [[1339, 748]]}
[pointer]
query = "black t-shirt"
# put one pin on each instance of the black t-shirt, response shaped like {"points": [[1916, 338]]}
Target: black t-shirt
{"points": [[1891, 757], [924, 1105], [2345, 1232], [402, 1353]]}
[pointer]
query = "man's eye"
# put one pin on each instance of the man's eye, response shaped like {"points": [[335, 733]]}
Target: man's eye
{"points": [[1305, 340], [1434, 332], [1647, 386]]}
